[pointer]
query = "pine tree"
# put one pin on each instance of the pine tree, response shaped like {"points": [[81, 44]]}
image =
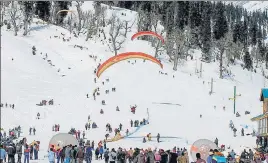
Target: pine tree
{"points": [[205, 29], [220, 27], [247, 61], [42, 9]]}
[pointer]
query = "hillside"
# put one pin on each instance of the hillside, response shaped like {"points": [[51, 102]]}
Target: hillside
{"points": [[28, 79], [252, 5]]}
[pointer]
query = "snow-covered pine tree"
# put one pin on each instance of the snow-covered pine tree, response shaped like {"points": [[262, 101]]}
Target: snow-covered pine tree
{"points": [[248, 61], [205, 31]]}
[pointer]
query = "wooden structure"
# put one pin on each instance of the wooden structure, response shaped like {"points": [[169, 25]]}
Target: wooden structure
{"points": [[262, 119]]}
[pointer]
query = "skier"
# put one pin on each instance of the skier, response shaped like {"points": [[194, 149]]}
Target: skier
{"points": [[87, 95], [242, 132]]}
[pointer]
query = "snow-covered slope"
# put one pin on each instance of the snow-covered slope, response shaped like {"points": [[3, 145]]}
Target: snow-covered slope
{"points": [[28, 79], [252, 5]]}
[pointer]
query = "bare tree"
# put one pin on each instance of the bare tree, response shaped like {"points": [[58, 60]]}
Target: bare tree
{"points": [[15, 15], [103, 14], [79, 12], [28, 15], [141, 17], [127, 27], [116, 40], [177, 45], [90, 23]]}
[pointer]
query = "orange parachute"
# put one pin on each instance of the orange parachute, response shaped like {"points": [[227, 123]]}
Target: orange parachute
{"points": [[124, 56], [150, 33], [65, 11]]}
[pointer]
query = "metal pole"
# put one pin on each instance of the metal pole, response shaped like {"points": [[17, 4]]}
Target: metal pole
{"points": [[211, 85], [234, 97]]}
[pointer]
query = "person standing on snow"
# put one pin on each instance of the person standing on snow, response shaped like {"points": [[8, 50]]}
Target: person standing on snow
{"points": [[242, 132], [101, 152], [158, 138], [34, 130], [11, 151], [88, 154], [26, 154], [30, 131], [80, 155], [131, 123], [106, 156], [199, 159], [216, 142], [84, 134], [112, 156], [67, 154], [120, 127], [149, 158], [19, 151], [86, 126], [51, 156], [3, 154]]}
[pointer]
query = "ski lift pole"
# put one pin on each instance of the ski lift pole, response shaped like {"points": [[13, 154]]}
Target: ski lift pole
{"points": [[234, 98]]}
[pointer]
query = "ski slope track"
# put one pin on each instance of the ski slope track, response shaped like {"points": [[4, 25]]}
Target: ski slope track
{"points": [[28, 79]]}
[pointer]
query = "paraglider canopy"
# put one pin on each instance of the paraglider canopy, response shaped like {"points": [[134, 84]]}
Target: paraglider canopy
{"points": [[203, 147], [149, 33], [62, 139], [124, 56]]}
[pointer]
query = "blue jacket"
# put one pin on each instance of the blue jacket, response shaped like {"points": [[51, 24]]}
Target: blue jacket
{"points": [[232, 154], [101, 150], [209, 159], [218, 159], [3, 154], [51, 156]]}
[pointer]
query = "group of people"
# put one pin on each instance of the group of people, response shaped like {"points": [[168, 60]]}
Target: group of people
{"points": [[8, 105], [8, 152]]}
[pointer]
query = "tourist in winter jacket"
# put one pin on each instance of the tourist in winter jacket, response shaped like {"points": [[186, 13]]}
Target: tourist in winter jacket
{"points": [[112, 156], [35, 151], [67, 154], [150, 156], [51, 156], [101, 152], [72, 155], [97, 152], [157, 157], [3, 154], [209, 159], [164, 157], [140, 158], [182, 158], [11, 151], [88, 154], [199, 159], [19, 151], [62, 154], [232, 153], [173, 157], [26, 154], [106, 155], [80, 155], [31, 152], [58, 155]]}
